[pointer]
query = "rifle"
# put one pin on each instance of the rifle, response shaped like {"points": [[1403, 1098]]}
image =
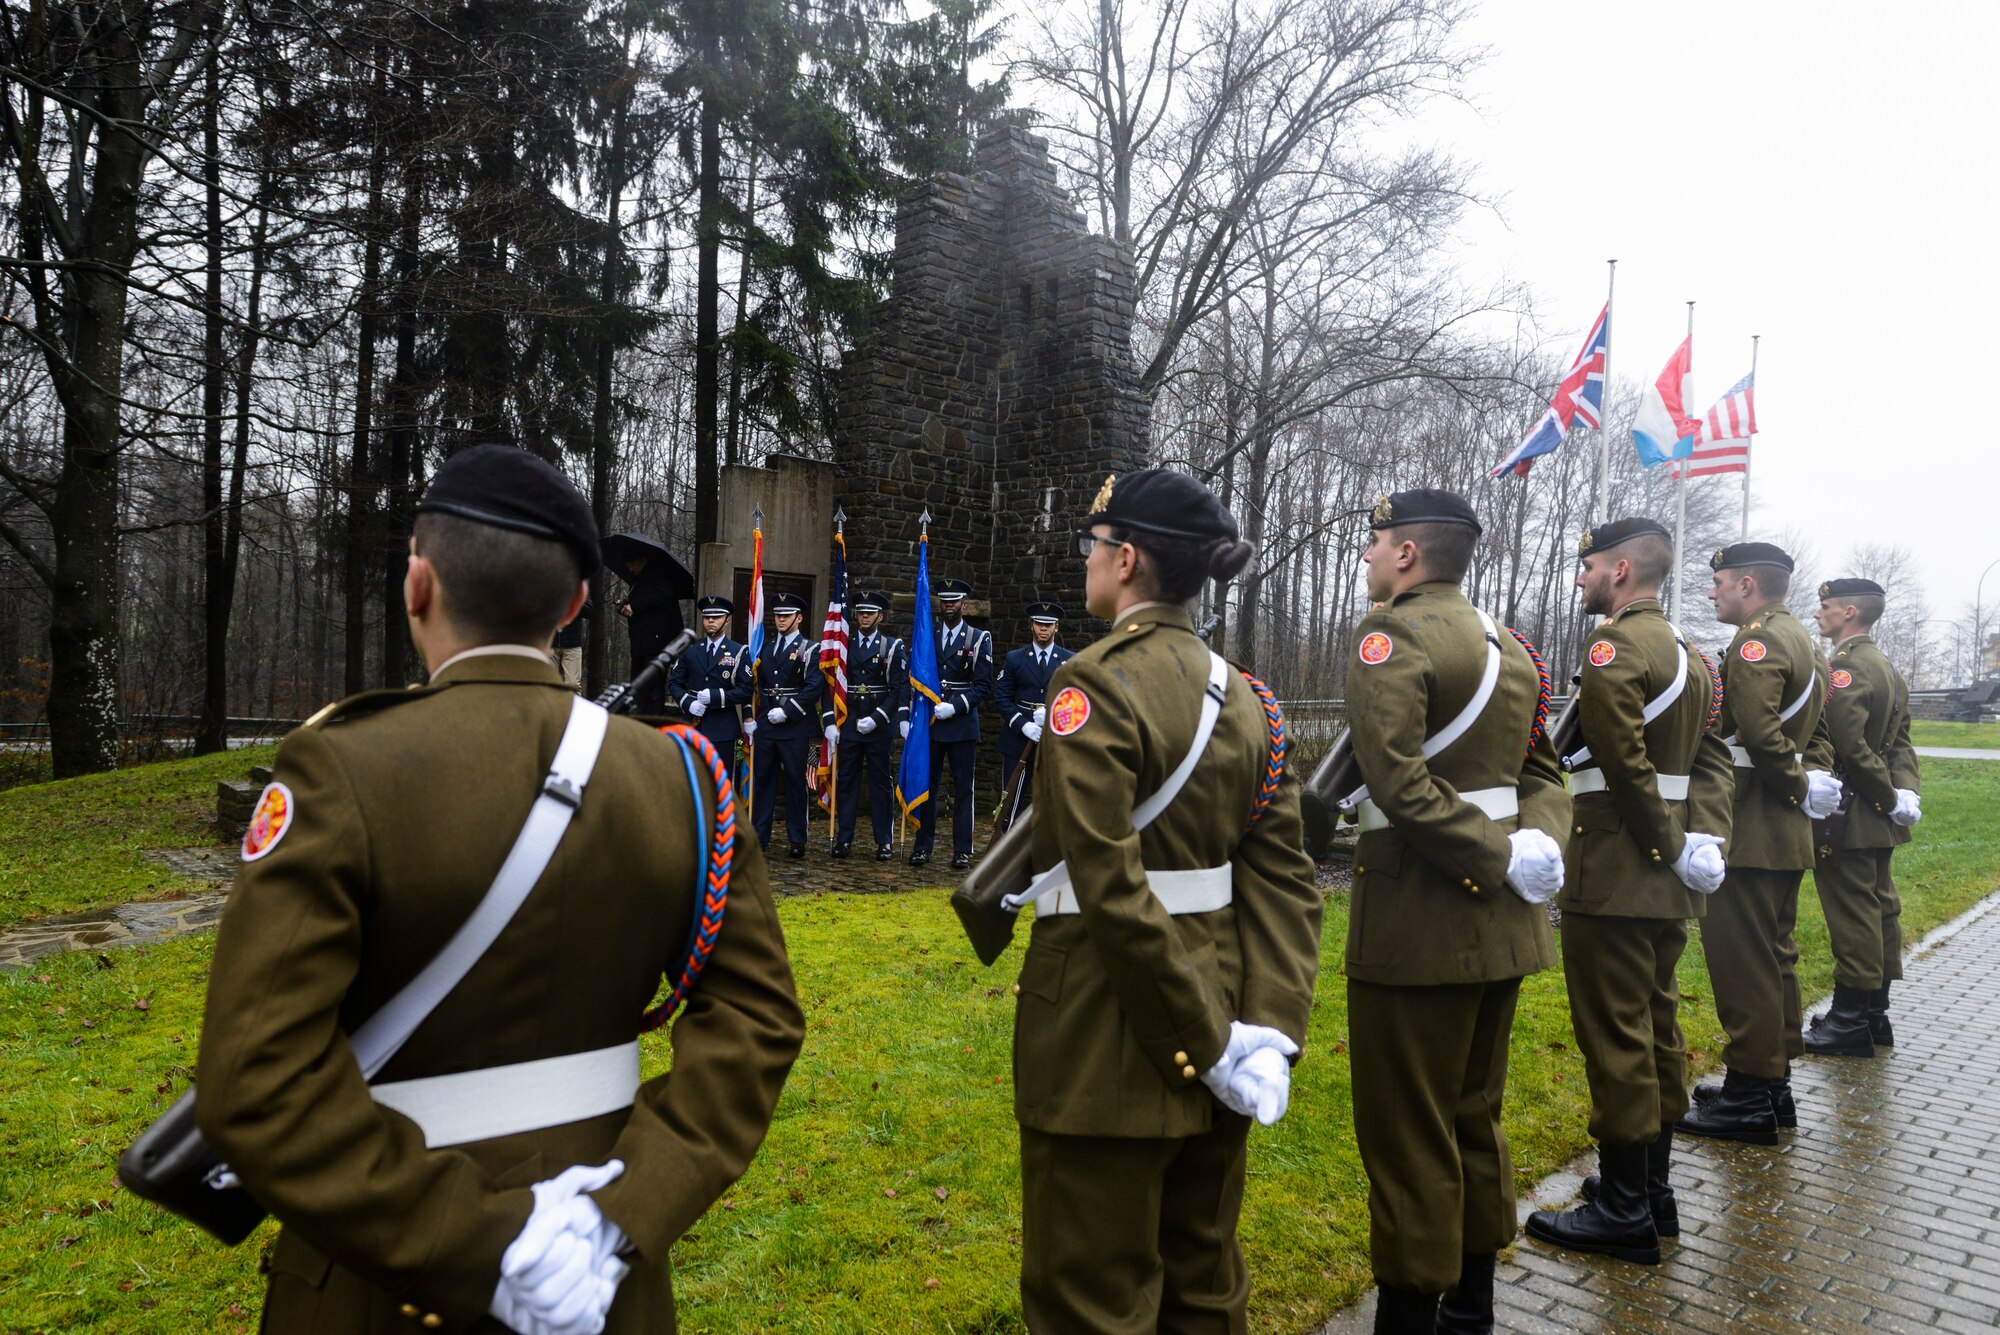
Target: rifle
{"points": [[1566, 733], [1010, 797], [172, 1165], [1327, 796]]}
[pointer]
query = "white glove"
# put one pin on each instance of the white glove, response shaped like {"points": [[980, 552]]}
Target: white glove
{"points": [[697, 705], [1700, 864], [1245, 1039], [832, 734], [905, 725], [1822, 794], [1032, 731], [775, 717], [1909, 807], [749, 727], [1041, 715], [945, 711], [560, 1275], [1263, 1080], [1535, 872], [866, 724]]}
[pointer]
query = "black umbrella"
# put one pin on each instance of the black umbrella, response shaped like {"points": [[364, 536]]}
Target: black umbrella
{"points": [[660, 563]]}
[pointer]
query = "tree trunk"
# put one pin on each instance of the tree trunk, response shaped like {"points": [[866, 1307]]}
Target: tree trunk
{"points": [[707, 351], [603, 446], [404, 393], [734, 455], [213, 733], [360, 494]]}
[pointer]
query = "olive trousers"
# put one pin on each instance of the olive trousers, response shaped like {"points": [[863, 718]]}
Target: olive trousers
{"points": [[1624, 1004], [1752, 961], [1864, 916]]}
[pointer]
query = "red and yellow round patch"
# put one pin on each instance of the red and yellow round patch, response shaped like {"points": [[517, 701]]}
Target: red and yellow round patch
{"points": [[1753, 651], [1376, 648], [1602, 653], [268, 822], [1842, 677], [1069, 711]]}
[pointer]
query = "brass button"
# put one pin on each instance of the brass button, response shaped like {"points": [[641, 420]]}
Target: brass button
{"points": [[1468, 883], [431, 1321], [1187, 1072], [410, 1309], [1473, 888], [1180, 1059], [1017, 989], [1656, 855], [1360, 871], [1129, 629], [1579, 829]]}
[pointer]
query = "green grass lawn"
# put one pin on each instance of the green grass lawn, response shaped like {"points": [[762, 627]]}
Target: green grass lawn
{"points": [[80, 844], [1985, 736], [887, 1197]]}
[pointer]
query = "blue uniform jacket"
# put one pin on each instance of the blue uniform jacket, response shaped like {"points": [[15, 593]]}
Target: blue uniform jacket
{"points": [[1020, 685], [966, 672], [878, 683], [721, 673], [789, 679]]}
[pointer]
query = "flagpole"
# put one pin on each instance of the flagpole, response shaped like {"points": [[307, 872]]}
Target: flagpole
{"points": [[1681, 472], [1603, 501], [833, 760], [1750, 450], [756, 677]]}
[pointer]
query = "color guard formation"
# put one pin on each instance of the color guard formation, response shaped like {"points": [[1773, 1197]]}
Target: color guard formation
{"points": [[514, 1171]]}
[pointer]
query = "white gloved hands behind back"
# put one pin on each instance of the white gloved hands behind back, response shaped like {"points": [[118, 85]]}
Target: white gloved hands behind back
{"points": [[1700, 865], [1535, 871], [1255, 1094], [560, 1275], [1909, 807], [1822, 794]]}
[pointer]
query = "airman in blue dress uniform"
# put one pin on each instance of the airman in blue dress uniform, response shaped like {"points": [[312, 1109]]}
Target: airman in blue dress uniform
{"points": [[788, 691], [965, 672], [711, 682], [878, 695], [1020, 690]]}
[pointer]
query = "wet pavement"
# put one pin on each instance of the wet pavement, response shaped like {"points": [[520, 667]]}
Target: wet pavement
{"points": [[126, 925], [1956, 753], [1880, 1213]]}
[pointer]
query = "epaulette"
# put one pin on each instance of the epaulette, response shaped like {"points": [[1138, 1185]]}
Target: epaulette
{"points": [[367, 702]]}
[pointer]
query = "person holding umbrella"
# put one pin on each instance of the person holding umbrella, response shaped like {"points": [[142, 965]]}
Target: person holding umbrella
{"points": [[657, 582]]}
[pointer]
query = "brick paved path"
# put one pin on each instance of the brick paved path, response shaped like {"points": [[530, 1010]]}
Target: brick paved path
{"points": [[1880, 1213]]}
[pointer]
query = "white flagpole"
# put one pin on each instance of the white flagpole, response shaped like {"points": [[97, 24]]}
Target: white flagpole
{"points": [[1681, 472], [1601, 508], [1749, 451]]}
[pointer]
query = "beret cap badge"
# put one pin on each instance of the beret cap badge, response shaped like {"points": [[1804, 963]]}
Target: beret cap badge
{"points": [[1584, 543], [1382, 511], [1103, 501]]}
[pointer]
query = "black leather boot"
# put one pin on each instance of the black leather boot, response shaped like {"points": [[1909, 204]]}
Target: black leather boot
{"points": [[1741, 1109], [1786, 1111], [1659, 1186], [1843, 1031], [1401, 1312], [1878, 1018], [1467, 1306], [1618, 1223]]}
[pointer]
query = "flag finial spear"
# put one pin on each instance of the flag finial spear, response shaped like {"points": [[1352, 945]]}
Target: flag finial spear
{"points": [[757, 515], [924, 522], [839, 520]]}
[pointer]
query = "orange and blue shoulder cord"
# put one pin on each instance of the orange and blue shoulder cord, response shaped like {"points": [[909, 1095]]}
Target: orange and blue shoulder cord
{"points": [[1274, 760], [1543, 693], [717, 855]]}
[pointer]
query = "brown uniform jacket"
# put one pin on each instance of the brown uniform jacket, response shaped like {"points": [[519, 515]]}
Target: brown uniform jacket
{"points": [[1769, 663], [1122, 1005], [1431, 903], [1864, 740], [404, 804], [1627, 837]]}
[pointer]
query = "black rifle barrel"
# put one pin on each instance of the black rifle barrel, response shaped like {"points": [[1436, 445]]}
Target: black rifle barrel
{"points": [[1321, 800], [619, 699]]}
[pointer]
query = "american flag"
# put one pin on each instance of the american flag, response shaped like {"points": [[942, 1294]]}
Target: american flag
{"points": [[1580, 397], [833, 635], [1722, 444]]}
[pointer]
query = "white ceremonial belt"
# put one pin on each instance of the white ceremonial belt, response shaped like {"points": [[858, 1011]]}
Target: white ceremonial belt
{"points": [[1499, 803], [1202, 891], [1741, 758], [526, 1096], [1673, 787]]}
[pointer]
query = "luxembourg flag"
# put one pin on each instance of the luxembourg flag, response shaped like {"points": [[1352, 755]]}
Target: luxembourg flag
{"points": [[1664, 430], [755, 651]]}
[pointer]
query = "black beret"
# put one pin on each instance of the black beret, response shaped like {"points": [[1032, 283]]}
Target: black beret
{"points": [[1045, 612], [1750, 554], [512, 489], [1162, 502], [1613, 532], [1423, 505], [1851, 588], [950, 590], [788, 602], [714, 603], [871, 600]]}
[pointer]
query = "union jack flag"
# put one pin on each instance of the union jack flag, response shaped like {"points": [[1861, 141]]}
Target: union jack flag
{"points": [[1722, 441], [1579, 397], [833, 635]]}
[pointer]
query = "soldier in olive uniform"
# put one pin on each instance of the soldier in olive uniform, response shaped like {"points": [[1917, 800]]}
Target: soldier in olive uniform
{"points": [[1461, 846], [1864, 740], [965, 675], [878, 701], [1020, 697], [1652, 789], [387, 822], [1772, 686], [1173, 965]]}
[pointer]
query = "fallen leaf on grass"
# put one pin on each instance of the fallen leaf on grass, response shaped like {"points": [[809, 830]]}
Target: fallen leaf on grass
{"points": [[890, 1192], [941, 1194], [933, 1283]]}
